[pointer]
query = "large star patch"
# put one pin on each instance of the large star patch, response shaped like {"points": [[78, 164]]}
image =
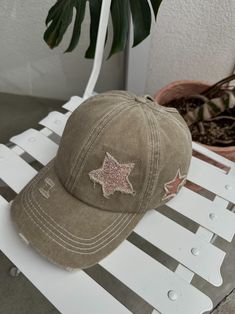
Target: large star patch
{"points": [[172, 187], [113, 176]]}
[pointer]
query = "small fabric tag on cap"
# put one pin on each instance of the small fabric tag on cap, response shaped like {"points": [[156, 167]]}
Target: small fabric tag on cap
{"points": [[113, 176], [172, 187]]}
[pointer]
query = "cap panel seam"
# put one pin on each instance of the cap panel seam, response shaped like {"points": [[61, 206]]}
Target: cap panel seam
{"points": [[90, 145], [182, 126], [171, 117], [148, 123], [93, 130], [149, 162], [155, 155], [79, 157]]}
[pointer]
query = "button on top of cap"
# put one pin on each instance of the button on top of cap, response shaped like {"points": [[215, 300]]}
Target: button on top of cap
{"points": [[141, 99]]}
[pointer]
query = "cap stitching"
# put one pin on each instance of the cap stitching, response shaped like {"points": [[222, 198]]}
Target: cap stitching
{"points": [[47, 227], [90, 145], [81, 253], [172, 118], [148, 194], [101, 122], [128, 222], [131, 218], [181, 125], [156, 153], [80, 160], [69, 244], [145, 197], [91, 246], [140, 209], [67, 237], [92, 131], [48, 224], [29, 190]]}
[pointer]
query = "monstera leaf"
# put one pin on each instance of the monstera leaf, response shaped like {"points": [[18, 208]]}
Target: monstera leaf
{"points": [[60, 16]]}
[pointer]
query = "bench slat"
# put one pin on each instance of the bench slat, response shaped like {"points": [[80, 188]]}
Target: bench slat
{"points": [[188, 248], [153, 281], [73, 103], [37, 145], [212, 179], [55, 121], [205, 212], [14, 171], [203, 150]]}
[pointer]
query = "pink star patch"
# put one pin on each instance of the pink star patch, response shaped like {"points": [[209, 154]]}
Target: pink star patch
{"points": [[172, 187], [113, 176]]}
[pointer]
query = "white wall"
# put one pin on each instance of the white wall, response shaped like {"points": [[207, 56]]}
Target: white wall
{"points": [[191, 40], [28, 66]]}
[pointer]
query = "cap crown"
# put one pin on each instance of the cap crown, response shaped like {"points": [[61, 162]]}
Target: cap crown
{"points": [[118, 151]]}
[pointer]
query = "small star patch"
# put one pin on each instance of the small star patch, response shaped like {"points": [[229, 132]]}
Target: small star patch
{"points": [[113, 176], [172, 187]]}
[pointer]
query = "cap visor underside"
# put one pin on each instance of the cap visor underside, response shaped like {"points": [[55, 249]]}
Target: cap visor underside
{"points": [[62, 228]]}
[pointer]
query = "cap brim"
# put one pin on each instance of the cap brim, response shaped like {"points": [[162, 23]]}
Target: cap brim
{"points": [[62, 228]]}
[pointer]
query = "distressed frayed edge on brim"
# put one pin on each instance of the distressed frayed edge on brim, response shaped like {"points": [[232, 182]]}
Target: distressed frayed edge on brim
{"points": [[48, 239]]}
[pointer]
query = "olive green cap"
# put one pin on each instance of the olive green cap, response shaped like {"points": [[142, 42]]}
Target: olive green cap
{"points": [[120, 155]]}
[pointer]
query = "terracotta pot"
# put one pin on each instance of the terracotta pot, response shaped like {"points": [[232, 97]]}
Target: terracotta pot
{"points": [[182, 88]]}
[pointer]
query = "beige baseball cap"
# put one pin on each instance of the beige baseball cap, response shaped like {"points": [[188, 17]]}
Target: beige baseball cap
{"points": [[120, 155]]}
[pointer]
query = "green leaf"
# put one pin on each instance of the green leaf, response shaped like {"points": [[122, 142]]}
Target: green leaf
{"points": [[55, 10], [80, 13], [141, 17], [95, 9], [155, 5], [120, 20], [61, 14], [59, 17]]}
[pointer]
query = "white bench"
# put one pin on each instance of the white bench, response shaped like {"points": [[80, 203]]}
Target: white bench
{"points": [[165, 290]]}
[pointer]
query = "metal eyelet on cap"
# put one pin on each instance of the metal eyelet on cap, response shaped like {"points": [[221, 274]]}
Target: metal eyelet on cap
{"points": [[144, 99], [148, 97]]}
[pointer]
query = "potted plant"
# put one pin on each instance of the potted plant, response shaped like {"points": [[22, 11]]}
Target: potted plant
{"points": [[209, 111], [60, 16]]}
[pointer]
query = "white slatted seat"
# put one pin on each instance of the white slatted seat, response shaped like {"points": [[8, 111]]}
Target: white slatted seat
{"points": [[194, 251], [167, 291], [55, 121]]}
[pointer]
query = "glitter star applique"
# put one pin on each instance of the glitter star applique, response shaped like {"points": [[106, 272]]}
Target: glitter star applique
{"points": [[113, 176], [172, 187]]}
